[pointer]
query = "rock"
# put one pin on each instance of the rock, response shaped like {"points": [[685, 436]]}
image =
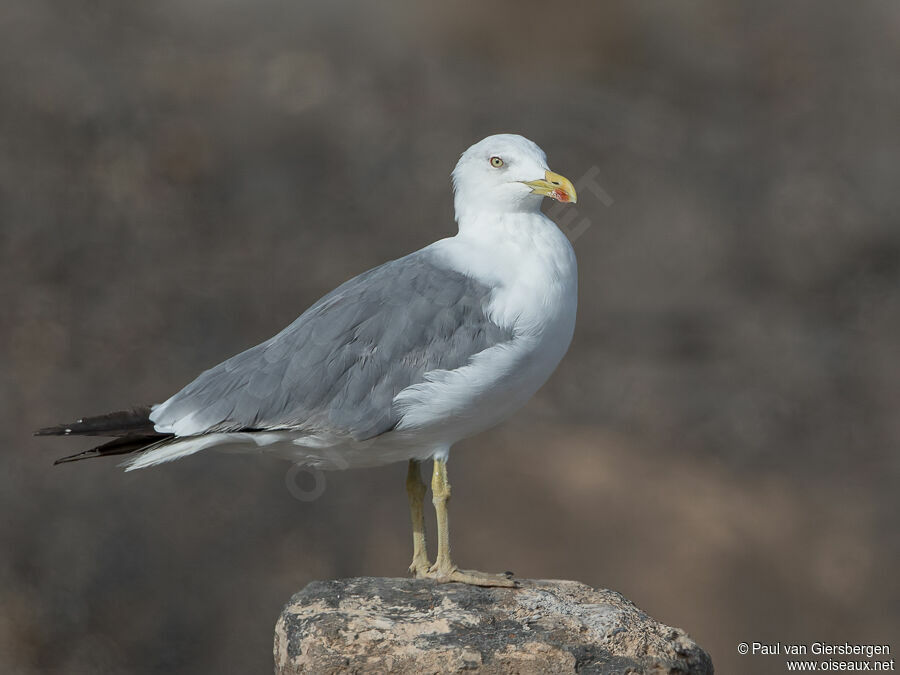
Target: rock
{"points": [[377, 625]]}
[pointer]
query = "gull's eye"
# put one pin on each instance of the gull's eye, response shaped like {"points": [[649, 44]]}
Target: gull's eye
{"points": [[496, 162]]}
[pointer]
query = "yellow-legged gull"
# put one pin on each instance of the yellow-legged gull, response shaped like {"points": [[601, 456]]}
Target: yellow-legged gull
{"points": [[399, 363]]}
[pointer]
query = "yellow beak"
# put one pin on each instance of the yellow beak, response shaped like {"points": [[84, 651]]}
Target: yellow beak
{"points": [[554, 186]]}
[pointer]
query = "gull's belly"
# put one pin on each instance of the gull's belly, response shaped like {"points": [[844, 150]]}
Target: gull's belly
{"points": [[451, 405]]}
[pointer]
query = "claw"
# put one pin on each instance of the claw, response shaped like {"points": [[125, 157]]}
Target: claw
{"points": [[471, 577]]}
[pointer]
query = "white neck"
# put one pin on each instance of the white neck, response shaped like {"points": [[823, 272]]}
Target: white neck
{"points": [[469, 208], [503, 232]]}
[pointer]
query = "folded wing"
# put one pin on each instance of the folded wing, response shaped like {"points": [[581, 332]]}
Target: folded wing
{"points": [[338, 367]]}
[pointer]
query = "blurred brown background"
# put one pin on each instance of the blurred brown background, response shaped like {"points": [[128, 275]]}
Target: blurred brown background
{"points": [[179, 180]]}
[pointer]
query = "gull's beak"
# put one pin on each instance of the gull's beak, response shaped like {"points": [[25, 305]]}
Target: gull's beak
{"points": [[555, 186]]}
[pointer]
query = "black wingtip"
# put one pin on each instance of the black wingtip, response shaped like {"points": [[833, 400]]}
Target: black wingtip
{"points": [[74, 458], [119, 446], [131, 422]]}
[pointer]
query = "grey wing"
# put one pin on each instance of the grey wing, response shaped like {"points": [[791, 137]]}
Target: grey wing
{"points": [[339, 366]]}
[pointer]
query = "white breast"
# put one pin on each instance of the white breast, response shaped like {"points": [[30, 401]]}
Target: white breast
{"points": [[532, 267]]}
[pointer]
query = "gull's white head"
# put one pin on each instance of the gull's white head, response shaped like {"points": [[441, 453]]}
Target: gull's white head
{"points": [[506, 173]]}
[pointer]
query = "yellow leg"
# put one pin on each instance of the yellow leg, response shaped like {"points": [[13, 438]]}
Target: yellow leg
{"points": [[440, 496], [443, 568], [415, 490]]}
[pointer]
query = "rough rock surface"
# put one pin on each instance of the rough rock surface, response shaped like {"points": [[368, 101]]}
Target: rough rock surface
{"points": [[378, 625]]}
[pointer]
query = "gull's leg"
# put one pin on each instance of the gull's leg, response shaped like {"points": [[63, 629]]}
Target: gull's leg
{"points": [[443, 568], [440, 495], [415, 490]]}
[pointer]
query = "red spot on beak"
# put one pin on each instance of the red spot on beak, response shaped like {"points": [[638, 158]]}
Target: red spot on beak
{"points": [[560, 195]]}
